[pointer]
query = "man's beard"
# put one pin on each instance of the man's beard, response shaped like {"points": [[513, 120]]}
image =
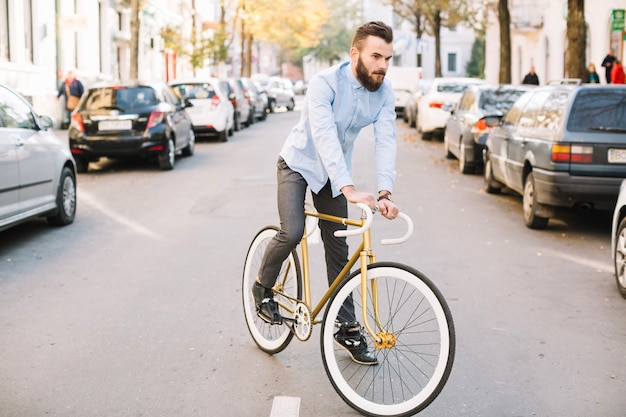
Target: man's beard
{"points": [[369, 82]]}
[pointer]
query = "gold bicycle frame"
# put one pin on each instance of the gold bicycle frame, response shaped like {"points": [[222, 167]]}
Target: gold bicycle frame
{"points": [[366, 255]]}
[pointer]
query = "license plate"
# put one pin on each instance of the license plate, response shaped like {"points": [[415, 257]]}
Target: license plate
{"points": [[617, 156], [115, 125]]}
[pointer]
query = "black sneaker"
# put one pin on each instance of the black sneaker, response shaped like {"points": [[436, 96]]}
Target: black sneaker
{"points": [[266, 306], [350, 338]]}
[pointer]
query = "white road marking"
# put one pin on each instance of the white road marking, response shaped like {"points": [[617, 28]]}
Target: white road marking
{"points": [[285, 407], [124, 221], [599, 266]]}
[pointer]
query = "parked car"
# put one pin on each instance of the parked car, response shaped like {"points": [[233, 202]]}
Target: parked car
{"points": [[466, 130], [212, 112], [242, 109], [434, 107], [37, 171], [405, 83], [130, 119], [618, 239], [280, 91], [258, 99], [560, 146], [410, 107]]}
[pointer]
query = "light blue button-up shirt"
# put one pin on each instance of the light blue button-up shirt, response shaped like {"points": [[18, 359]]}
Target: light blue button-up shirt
{"points": [[336, 108]]}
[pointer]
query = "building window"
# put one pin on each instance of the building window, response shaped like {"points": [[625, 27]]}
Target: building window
{"points": [[4, 30], [452, 62]]}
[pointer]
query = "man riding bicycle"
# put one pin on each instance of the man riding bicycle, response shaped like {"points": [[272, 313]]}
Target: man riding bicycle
{"points": [[317, 154]]}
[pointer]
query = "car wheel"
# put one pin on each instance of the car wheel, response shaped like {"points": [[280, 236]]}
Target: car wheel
{"points": [[412, 120], [272, 106], [191, 145], [490, 185], [620, 258], [82, 164], [237, 122], [168, 157], [465, 167], [291, 105], [531, 207], [446, 146], [250, 117], [66, 199], [222, 136]]}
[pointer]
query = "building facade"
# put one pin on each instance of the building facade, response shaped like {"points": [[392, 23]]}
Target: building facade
{"points": [[538, 37]]}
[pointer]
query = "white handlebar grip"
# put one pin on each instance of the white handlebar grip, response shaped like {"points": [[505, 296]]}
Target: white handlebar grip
{"points": [[360, 230], [407, 235]]}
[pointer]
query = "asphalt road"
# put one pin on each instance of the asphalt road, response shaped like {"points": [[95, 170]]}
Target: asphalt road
{"points": [[135, 309]]}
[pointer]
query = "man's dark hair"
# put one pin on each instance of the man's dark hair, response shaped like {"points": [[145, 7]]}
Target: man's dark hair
{"points": [[377, 28]]}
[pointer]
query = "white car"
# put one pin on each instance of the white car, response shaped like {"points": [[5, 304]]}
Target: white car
{"points": [[212, 112], [618, 239], [434, 106], [280, 92], [37, 171]]}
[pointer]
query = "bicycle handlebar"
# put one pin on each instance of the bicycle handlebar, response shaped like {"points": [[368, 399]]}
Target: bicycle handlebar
{"points": [[360, 230], [368, 222]]}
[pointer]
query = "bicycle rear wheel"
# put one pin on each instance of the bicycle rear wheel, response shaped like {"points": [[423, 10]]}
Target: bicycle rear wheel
{"points": [[270, 338], [413, 369]]}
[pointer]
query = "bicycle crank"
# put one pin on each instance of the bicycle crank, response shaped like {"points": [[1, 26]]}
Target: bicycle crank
{"points": [[301, 327]]}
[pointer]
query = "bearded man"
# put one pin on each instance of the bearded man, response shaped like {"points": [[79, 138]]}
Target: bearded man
{"points": [[317, 154]]}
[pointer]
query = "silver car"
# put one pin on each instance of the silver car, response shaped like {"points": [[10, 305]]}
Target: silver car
{"points": [[37, 171]]}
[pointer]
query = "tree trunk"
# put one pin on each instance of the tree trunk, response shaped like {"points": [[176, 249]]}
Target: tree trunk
{"points": [[504, 18], [134, 40], [437, 30], [575, 65], [419, 30]]}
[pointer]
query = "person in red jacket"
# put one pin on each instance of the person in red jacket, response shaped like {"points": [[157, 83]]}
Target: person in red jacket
{"points": [[617, 73]]}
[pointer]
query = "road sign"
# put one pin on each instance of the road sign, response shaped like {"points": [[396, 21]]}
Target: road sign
{"points": [[617, 19]]}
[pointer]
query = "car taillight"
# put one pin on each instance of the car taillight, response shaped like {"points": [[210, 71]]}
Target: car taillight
{"points": [[436, 105], [77, 122], [156, 118], [215, 101], [480, 126], [579, 154]]}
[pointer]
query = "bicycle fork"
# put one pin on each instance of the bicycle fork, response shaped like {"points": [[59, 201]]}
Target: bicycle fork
{"points": [[381, 339]]}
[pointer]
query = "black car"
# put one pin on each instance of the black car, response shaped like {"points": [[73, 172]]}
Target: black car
{"points": [[466, 130], [126, 119], [560, 146]]}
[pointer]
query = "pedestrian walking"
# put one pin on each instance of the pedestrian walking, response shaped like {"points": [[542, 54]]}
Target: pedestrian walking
{"points": [[71, 89], [592, 75], [607, 63], [617, 73], [531, 77]]}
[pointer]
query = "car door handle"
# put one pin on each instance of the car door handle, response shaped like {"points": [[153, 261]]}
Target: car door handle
{"points": [[17, 140]]}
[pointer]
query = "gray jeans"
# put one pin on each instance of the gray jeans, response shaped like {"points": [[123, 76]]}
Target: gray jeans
{"points": [[291, 195]]}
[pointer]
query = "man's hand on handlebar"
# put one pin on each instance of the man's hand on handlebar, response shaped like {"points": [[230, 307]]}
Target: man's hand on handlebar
{"points": [[388, 209], [353, 196]]}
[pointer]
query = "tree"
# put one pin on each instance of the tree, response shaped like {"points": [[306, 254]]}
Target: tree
{"points": [[431, 16], [290, 24], [335, 34], [476, 65], [575, 65], [504, 18]]}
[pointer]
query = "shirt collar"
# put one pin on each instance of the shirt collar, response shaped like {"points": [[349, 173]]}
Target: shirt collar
{"points": [[354, 83]]}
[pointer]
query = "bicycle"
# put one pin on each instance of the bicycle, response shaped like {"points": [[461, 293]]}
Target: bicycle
{"points": [[404, 315]]}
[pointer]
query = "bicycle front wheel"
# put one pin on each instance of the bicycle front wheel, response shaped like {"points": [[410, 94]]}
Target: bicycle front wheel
{"points": [[416, 358], [270, 338]]}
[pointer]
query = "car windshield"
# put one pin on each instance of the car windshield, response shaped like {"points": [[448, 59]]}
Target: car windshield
{"points": [[120, 98], [197, 91], [451, 88], [599, 109], [498, 101]]}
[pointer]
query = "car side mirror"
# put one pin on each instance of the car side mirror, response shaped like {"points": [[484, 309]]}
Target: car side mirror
{"points": [[492, 120]]}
